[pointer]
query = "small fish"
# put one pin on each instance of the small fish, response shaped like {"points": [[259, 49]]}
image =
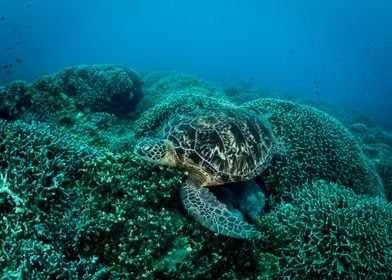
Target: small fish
{"points": [[315, 82], [7, 66], [317, 93], [9, 48], [18, 60], [2, 18]]}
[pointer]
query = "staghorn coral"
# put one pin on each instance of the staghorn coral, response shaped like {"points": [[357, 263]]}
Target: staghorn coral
{"points": [[38, 168], [329, 232], [317, 147]]}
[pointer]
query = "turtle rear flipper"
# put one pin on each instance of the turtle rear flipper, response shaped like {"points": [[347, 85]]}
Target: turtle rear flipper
{"points": [[203, 206]]}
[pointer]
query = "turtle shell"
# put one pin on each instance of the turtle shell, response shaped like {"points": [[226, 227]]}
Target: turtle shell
{"points": [[230, 145]]}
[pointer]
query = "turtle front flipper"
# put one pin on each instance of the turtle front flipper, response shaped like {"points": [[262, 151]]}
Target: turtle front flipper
{"points": [[203, 206]]}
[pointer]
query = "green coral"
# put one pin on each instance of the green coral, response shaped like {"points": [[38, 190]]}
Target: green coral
{"points": [[381, 155], [86, 208], [70, 96], [87, 88], [181, 101], [38, 168], [158, 85], [148, 234], [169, 81], [70, 211], [329, 232], [317, 147], [67, 210], [14, 100]]}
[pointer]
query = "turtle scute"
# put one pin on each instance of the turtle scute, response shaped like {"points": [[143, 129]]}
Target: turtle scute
{"points": [[230, 145]]}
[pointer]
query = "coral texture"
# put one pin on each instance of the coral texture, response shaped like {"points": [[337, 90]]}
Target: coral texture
{"points": [[317, 147], [14, 100], [96, 88], [76, 204], [327, 231], [151, 121]]}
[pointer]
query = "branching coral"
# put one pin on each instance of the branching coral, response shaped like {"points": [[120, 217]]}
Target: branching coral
{"points": [[327, 231], [38, 167], [90, 210]]}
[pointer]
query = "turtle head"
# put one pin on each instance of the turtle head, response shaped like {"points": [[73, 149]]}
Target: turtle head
{"points": [[155, 150]]}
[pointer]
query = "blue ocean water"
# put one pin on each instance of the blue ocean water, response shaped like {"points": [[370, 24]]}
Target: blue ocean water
{"points": [[336, 51]]}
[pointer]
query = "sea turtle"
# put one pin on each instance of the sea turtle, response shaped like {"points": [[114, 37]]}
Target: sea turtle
{"points": [[214, 147]]}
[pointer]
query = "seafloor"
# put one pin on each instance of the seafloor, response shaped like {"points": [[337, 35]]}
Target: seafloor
{"points": [[76, 203]]}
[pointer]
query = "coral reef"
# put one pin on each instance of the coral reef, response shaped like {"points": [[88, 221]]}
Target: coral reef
{"points": [[181, 101], [329, 232], [381, 155], [244, 92], [87, 88], [76, 204], [317, 147], [158, 85], [70, 211], [370, 135], [14, 100], [72, 94], [94, 102], [161, 82], [377, 145], [38, 169]]}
